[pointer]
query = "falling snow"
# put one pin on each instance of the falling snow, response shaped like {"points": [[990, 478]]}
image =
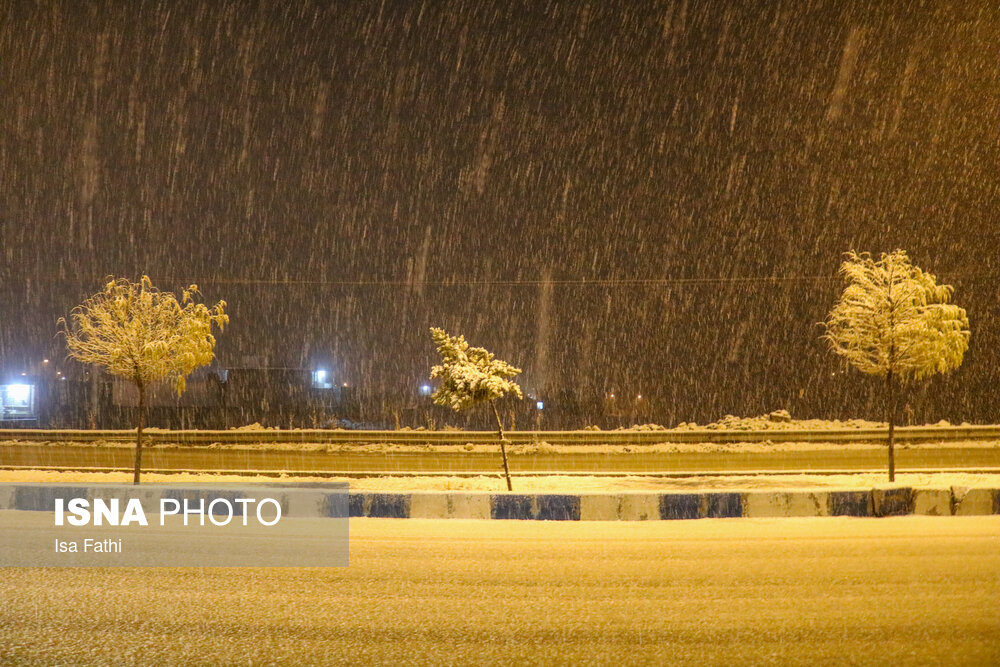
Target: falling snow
{"points": [[650, 199]]}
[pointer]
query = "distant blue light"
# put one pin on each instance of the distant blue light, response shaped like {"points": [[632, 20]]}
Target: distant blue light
{"points": [[425, 390], [540, 405]]}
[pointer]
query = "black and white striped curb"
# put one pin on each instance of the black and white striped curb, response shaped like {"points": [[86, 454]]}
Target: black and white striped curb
{"points": [[626, 506], [639, 506]]}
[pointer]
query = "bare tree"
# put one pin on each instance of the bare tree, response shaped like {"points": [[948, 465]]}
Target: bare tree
{"points": [[470, 376], [894, 321], [144, 335]]}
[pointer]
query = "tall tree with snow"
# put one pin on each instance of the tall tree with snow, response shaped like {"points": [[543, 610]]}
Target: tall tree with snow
{"points": [[895, 322], [471, 376], [144, 335]]}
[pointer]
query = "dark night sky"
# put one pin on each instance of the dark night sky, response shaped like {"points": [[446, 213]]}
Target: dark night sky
{"points": [[686, 174]]}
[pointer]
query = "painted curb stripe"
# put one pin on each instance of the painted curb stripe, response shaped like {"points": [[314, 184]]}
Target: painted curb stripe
{"points": [[892, 502], [43, 498], [679, 506], [380, 505], [723, 506], [545, 507], [851, 503], [336, 506], [559, 508]]}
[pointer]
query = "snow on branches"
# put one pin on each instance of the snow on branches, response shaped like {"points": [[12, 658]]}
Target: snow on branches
{"points": [[142, 334], [894, 320], [469, 375]]}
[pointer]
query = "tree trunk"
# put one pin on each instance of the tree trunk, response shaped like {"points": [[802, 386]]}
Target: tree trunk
{"points": [[138, 432], [891, 390], [93, 397], [890, 387], [503, 448]]}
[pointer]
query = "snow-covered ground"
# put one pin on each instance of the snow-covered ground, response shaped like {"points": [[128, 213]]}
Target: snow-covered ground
{"points": [[542, 483], [900, 591]]}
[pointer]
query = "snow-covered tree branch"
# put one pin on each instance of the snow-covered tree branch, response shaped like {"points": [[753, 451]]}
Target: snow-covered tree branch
{"points": [[895, 322], [469, 376], [144, 335]]}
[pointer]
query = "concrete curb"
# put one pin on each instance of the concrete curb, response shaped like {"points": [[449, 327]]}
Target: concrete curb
{"points": [[626, 506]]}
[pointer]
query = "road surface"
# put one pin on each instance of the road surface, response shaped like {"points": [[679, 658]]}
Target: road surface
{"points": [[902, 591], [922, 457]]}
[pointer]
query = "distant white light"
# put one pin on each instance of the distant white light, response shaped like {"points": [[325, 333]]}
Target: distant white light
{"points": [[345, 384], [18, 394], [540, 405], [639, 397], [45, 361], [321, 379], [425, 390]]}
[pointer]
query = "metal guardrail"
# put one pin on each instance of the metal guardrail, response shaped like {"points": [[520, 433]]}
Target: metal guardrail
{"points": [[908, 434]]}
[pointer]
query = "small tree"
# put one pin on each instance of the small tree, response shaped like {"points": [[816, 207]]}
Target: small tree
{"points": [[470, 376], [144, 335], [894, 321]]}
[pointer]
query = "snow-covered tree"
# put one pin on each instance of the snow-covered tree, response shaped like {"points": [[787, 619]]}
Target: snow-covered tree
{"points": [[894, 321], [470, 376], [144, 335]]}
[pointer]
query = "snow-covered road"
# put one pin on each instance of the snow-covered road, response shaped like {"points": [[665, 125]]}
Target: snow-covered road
{"points": [[910, 590]]}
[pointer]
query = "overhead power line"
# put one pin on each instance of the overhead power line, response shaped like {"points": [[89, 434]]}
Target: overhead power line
{"points": [[582, 282], [609, 282], [578, 282]]}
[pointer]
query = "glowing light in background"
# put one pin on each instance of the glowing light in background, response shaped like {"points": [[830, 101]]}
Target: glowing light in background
{"points": [[18, 394], [321, 379]]}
